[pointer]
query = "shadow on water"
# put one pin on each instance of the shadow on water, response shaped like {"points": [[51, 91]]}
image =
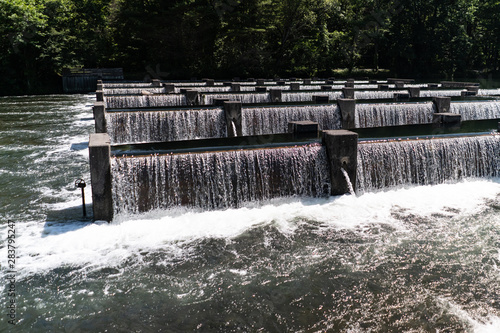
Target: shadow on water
{"points": [[66, 220]]}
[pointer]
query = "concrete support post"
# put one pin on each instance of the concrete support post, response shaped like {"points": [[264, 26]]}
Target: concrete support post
{"points": [[294, 86], [99, 86], [100, 176], [432, 85], [235, 87], [261, 82], [261, 89], [446, 119], [401, 97], [349, 84], [342, 151], [383, 86], [467, 93], [442, 104], [169, 88], [320, 99], [192, 97], [399, 84], [348, 92], [303, 129], [280, 82], [232, 110], [275, 95], [220, 101], [99, 110], [156, 83], [414, 92], [307, 81], [326, 87], [99, 96], [209, 82], [347, 111]]}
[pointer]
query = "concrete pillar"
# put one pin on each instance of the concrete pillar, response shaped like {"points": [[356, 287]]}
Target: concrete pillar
{"points": [[275, 96], [169, 88], [349, 84], [342, 151], [232, 110], [294, 86], [235, 87], [326, 87], [414, 92], [498, 130], [261, 89], [432, 85], [347, 111], [99, 110], [192, 97], [401, 97], [348, 92], [473, 88], [383, 87], [99, 96], [280, 82], [307, 81], [303, 129], [209, 82], [250, 79], [156, 83], [320, 99], [373, 82], [446, 119], [329, 81], [100, 176], [99, 86], [261, 82], [442, 104], [399, 84]]}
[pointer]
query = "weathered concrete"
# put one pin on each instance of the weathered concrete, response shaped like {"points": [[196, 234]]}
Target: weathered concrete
{"points": [[156, 83], [373, 82], [452, 84], [100, 175], [394, 80], [192, 97], [99, 96], [349, 84], [432, 85], [347, 112], [399, 84], [99, 111], [232, 110], [209, 82], [401, 97], [235, 87], [307, 81], [442, 104], [473, 88], [467, 93], [275, 95], [294, 86], [280, 82], [383, 86], [320, 99], [446, 119], [348, 92], [260, 89], [303, 129], [342, 151], [169, 88], [326, 87], [414, 92], [261, 82]]}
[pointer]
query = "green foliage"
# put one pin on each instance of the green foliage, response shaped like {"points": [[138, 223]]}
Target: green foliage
{"points": [[259, 38]]}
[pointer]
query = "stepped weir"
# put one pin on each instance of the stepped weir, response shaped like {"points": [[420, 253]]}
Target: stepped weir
{"points": [[221, 144]]}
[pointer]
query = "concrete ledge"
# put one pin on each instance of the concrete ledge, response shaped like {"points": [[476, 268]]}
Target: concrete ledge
{"points": [[99, 111], [442, 104], [446, 118], [304, 128]]}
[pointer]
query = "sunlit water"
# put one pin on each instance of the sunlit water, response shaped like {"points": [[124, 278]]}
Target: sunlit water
{"points": [[413, 259]]}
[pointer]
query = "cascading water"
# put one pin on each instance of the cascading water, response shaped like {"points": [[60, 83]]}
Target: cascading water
{"points": [[476, 110], [159, 126], [248, 98], [348, 181], [218, 179], [117, 102], [377, 115], [429, 161], [377, 94], [292, 97], [133, 91], [272, 120]]}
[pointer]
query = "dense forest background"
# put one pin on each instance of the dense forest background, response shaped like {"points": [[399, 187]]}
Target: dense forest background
{"points": [[179, 39]]}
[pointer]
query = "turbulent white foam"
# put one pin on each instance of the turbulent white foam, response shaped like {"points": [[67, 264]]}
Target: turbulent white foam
{"points": [[490, 324], [42, 247]]}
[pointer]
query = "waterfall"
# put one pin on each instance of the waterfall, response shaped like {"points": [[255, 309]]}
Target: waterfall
{"points": [[377, 94], [272, 120], [117, 102], [159, 126], [133, 91], [378, 115], [218, 179], [437, 93], [348, 181], [476, 110], [307, 96], [245, 98], [430, 161]]}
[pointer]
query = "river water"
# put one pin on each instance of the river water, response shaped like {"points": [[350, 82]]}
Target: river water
{"points": [[407, 259]]}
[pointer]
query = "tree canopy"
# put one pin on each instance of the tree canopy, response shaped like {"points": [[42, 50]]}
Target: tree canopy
{"points": [[179, 39]]}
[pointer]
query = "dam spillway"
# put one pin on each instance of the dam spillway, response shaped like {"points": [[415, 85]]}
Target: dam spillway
{"points": [[257, 167]]}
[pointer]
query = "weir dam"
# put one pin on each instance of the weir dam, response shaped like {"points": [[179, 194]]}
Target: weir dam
{"points": [[220, 144]]}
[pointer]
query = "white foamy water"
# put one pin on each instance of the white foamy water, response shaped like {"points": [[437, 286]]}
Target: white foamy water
{"points": [[46, 246]]}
